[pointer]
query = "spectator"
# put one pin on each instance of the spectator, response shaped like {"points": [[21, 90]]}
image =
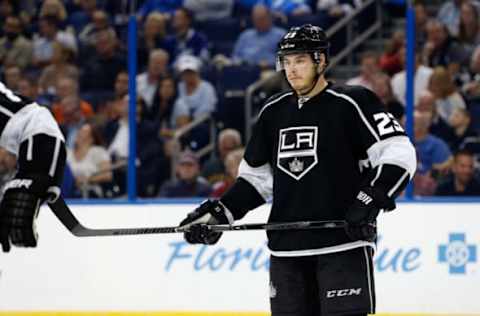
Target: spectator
{"points": [[147, 81], [197, 97], [81, 18], [99, 22], [71, 115], [368, 69], [447, 97], [433, 152], [89, 161], [186, 40], [205, 10], [62, 66], [54, 8], [68, 87], [441, 49], [232, 163], [422, 79], [117, 131], [153, 35], [460, 121], [188, 182], [469, 34], [28, 87], [390, 61], [162, 109], [167, 7], [287, 8], [101, 68], [13, 74], [382, 88], [258, 45], [438, 126], [214, 169], [43, 42], [462, 183], [421, 19], [472, 87], [449, 15], [15, 49]]}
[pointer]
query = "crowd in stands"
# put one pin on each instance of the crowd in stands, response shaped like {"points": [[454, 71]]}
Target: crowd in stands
{"points": [[71, 56]]}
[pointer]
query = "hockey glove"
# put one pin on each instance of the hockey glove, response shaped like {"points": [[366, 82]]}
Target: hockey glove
{"points": [[362, 214], [210, 212], [19, 209]]}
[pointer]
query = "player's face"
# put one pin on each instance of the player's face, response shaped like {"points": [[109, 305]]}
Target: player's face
{"points": [[300, 71]]}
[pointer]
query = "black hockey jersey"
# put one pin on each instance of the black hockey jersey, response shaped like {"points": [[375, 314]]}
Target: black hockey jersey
{"points": [[311, 158]]}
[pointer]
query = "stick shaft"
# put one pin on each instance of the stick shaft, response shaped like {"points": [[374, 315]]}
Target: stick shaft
{"points": [[66, 217]]}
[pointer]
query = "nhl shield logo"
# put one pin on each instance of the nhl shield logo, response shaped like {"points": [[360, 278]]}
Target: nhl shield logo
{"points": [[297, 150]]}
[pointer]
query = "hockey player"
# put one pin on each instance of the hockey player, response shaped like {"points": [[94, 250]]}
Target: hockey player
{"points": [[31, 145], [321, 152]]}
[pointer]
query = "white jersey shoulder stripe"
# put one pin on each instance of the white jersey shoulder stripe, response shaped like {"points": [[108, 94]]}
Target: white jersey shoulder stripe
{"points": [[355, 104], [274, 101]]}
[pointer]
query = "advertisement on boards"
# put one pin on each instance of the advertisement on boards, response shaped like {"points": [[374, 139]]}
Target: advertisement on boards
{"points": [[426, 262]]}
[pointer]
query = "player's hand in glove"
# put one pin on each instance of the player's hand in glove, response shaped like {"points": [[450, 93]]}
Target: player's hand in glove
{"points": [[362, 214], [210, 212], [19, 209]]}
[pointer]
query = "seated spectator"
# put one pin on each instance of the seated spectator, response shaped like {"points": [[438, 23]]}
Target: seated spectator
{"points": [[463, 182], [15, 48], [62, 66], [433, 152], [89, 161], [153, 35], [471, 88], [382, 88], [445, 92], [205, 10], [185, 40], [421, 18], [368, 69], [162, 109], [117, 132], [232, 163], [79, 19], [147, 81], [54, 8], [421, 80], [258, 45], [188, 182], [68, 87], [196, 97], [449, 15], [71, 114], [43, 42], [99, 22], [438, 126], [460, 121], [390, 61], [442, 50], [167, 7], [28, 87], [214, 168], [12, 74], [469, 34], [101, 68]]}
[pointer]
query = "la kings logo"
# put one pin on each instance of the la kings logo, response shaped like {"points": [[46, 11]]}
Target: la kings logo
{"points": [[297, 150]]}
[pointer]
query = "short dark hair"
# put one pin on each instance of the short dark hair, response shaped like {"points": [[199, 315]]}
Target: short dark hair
{"points": [[463, 152]]}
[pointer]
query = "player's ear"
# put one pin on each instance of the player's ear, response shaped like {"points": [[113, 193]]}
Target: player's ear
{"points": [[322, 64]]}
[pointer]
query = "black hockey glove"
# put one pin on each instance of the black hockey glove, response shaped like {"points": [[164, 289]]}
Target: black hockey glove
{"points": [[362, 214], [19, 209], [210, 212]]}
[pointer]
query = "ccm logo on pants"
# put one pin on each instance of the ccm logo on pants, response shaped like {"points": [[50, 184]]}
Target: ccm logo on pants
{"points": [[343, 292]]}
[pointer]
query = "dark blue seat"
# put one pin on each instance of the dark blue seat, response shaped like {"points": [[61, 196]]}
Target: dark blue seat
{"points": [[221, 33]]}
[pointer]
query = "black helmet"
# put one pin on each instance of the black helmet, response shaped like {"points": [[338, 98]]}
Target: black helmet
{"points": [[303, 39]]}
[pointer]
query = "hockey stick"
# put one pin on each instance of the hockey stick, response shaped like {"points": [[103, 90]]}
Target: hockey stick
{"points": [[64, 214]]}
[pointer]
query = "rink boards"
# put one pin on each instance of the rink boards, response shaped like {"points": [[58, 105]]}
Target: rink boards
{"points": [[426, 263]]}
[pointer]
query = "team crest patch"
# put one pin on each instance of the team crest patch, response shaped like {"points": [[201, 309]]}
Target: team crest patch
{"points": [[297, 150]]}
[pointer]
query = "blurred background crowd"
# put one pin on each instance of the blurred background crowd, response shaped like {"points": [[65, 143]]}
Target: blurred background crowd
{"points": [[197, 64]]}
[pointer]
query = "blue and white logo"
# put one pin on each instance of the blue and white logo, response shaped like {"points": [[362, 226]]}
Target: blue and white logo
{"points": [[457, 253]]}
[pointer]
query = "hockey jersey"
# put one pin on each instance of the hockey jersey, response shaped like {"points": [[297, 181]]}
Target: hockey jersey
{"points": [[311, 157]]}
